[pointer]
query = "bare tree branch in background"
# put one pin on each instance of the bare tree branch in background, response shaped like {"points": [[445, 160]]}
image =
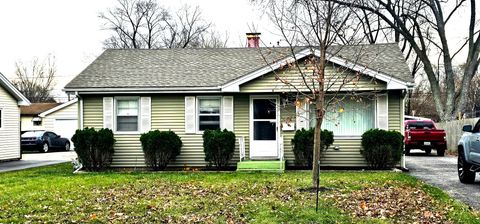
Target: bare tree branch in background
{"points": [[422, 24], [36, 79], [146, 24]]}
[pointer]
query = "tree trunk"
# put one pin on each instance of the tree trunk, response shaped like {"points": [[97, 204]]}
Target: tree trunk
{"points": [[319, 112]]}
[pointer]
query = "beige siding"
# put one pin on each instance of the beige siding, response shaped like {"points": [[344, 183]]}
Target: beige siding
{"points": [[92, 112], [10, 130], [334, 78], [394, 111], [27, 124], [168, 114], [69, 112], [241, 122]]}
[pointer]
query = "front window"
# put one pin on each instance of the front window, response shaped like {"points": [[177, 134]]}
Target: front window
{"points": [[208, 113], [349, 116], [127, 114]]}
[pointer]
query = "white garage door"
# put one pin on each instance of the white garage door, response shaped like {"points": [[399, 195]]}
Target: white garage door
{"points": [[65, 127]]}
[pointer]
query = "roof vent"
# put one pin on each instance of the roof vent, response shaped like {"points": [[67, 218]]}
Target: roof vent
{"points": [[253, 40]]}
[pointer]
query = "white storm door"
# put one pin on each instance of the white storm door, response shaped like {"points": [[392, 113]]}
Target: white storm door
{"points": [[264, 116]]}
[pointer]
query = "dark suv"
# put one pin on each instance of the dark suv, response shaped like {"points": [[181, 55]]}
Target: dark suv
{"points": [[43, 141], [469, 153]]}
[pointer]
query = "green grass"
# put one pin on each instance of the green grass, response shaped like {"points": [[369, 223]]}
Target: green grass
{"points": [[54, 194], [261, 165]]}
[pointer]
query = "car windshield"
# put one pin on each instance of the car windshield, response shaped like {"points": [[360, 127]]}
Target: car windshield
{"points": [[31, 134], [420, 125]]}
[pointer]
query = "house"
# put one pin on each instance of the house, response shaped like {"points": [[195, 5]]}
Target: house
{"points": [[10, 101], [29, 118], [61, 118], [190, 90]]}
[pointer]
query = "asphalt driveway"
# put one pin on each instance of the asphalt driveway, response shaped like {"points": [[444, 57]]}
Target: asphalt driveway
{"points": [[36, 159], [441, 172]]}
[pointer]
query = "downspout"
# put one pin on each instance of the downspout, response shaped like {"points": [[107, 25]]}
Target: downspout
{"points": [[80, 99], [403, 165]]}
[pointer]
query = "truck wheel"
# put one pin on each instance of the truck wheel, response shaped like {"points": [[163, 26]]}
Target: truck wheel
{"points": [[407, 151], [428, 151], [440, 152], [465, 175]]}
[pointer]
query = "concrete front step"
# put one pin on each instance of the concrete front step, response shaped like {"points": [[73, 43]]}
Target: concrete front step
{"points": [[261, 165]]}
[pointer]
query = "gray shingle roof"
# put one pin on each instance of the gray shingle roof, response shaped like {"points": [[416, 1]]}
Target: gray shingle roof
{"points": [[180, 68]]}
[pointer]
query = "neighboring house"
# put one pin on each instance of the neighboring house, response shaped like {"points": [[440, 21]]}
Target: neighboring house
{"points": [[29, 115], [10, 101], [190, 90], [61, 118]]}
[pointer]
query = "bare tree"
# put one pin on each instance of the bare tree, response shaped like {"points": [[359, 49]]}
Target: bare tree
{"points": [[317, 25], [422, 24], [36, 79], [146, 24]]}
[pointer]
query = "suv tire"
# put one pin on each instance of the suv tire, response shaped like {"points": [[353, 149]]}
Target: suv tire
{"points": [[465, 175]]}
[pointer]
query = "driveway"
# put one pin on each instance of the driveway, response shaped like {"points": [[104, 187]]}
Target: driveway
{"points": [[36, 159], [441, 172]]}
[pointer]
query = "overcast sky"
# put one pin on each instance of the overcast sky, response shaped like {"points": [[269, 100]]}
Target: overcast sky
{"points": [[72, 32]]}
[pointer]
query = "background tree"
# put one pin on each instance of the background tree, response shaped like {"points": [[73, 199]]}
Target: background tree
{"points": [[146, 24], [36, 79], [423, 24], [317, 25]]}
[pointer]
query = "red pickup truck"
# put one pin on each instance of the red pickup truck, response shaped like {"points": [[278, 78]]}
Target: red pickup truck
{"points": [[424, 135]]}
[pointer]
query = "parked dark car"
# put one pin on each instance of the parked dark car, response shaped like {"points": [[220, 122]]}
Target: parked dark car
{"points": [[43, 141]]}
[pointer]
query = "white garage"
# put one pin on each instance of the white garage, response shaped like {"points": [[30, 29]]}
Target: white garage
{"points": [[63, 119]]}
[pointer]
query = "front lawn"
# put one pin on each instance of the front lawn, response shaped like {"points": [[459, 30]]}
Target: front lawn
{"points": [[54, 194]]}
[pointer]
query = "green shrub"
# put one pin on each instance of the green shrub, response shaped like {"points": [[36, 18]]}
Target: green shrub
{"points": [[382, 149], [303, 145], [218, 147], [94, 148], [160, 148]]}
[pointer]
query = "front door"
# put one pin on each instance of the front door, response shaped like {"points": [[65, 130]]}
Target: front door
{"points": [[264, 127]]}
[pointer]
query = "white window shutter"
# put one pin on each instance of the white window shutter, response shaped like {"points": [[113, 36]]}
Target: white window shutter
{"points": [[190, 113], [108, 112], [382, 112], [146, 113], [302, 116], [227, 113]]}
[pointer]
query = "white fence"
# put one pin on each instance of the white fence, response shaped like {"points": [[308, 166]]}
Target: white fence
{"points": [[454, 131]]}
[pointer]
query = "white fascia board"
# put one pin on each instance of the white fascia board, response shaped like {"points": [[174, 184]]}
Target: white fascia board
{"points": [[59, 107], [392, 83], [21, 99], [234, 86]]}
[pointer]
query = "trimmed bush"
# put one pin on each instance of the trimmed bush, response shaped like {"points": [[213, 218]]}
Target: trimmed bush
{"points": [[218, 147], [160, 148], [94, 148], [303, 145], [382, 149]]}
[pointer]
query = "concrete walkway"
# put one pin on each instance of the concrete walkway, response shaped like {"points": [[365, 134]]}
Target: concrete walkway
{"points": [[36, 159], [441, 172]]}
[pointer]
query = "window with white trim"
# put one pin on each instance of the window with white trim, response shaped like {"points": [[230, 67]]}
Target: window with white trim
{"points": [[208, 113], [349, 116], [127, 114]]}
